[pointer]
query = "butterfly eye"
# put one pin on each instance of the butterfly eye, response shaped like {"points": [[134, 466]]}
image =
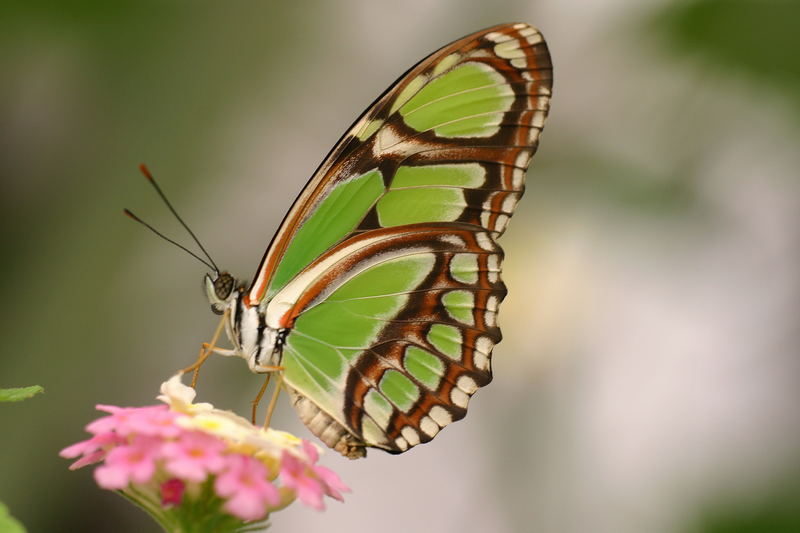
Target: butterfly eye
{"points": [[223, 286]]}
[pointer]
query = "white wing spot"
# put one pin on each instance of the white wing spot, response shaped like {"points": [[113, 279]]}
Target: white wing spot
{"points": [[518, 178], [538, 118], [459, 397], [510, 203], [389, 141], [487, 204], [490, 317], [484, 241], [441, 415], [467, 384], [455, 240], [521, 165], [388, 138], [519, 62], [498, 37], [485, 217], [481, 52], [428, 426], [509, 50], [486, 207], [401, 443], [501, 223], [543, 102], [481, 360], [493, 264], [494, 36], [410, 435], [533, 135], [484, 345], [534, 38]]}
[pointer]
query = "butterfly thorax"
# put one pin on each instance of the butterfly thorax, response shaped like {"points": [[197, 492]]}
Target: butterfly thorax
{"points": [[253, 340]]}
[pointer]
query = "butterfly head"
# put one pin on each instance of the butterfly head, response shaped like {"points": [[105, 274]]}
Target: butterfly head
{"points": [[219, 290]]}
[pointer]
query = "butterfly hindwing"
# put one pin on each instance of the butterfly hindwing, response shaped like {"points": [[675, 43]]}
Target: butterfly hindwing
{"points": [[385, 272], [398, 340]]}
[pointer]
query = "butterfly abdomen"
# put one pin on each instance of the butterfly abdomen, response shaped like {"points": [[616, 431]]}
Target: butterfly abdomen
{"points": [[329, 431]]}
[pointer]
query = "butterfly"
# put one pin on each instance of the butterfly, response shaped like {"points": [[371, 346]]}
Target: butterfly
{"points": [[377, 298]]}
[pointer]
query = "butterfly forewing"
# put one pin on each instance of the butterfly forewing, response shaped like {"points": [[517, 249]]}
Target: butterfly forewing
{"points": [[483, 100], [386, 270]]}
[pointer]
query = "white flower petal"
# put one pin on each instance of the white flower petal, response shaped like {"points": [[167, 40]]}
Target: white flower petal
{"points": [[226, 424], [179, 396]]}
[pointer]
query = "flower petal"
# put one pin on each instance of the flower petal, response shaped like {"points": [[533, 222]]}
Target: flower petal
{"points": [[247, 506], [172, 492]]}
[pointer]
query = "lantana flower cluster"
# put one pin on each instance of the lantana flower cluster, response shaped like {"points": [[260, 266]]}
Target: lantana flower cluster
{"points": [[181, 461]]}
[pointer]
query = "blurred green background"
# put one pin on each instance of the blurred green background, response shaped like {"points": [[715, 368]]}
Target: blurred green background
{"points": [[649, 376]]}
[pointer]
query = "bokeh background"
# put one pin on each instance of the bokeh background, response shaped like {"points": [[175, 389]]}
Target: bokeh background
{"points": [[649, 378]]}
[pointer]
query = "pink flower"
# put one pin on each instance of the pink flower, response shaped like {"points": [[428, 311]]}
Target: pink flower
{"points": [[172, 492], [309, 481], [116, 422], [134, 462], [332, 485], [244, 483], [295, 474], [153, 420], [206, 466], [93, 450], [331, 482], [194, 455]]}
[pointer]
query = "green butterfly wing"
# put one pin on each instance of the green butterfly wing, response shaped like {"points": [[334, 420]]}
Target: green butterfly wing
{"points": [[386, 268]]}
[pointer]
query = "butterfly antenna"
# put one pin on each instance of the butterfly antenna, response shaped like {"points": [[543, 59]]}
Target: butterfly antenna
{"points": [[182, 247], [143, 168]]}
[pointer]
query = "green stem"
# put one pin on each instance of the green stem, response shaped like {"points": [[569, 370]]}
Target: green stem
{"points": [[147, 507], [202, 513]]}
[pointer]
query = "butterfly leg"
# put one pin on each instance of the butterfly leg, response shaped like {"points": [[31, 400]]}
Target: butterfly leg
{"points": [[225, 352], [269, 370], [206, 350], [274, 400], [257, 399]]}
